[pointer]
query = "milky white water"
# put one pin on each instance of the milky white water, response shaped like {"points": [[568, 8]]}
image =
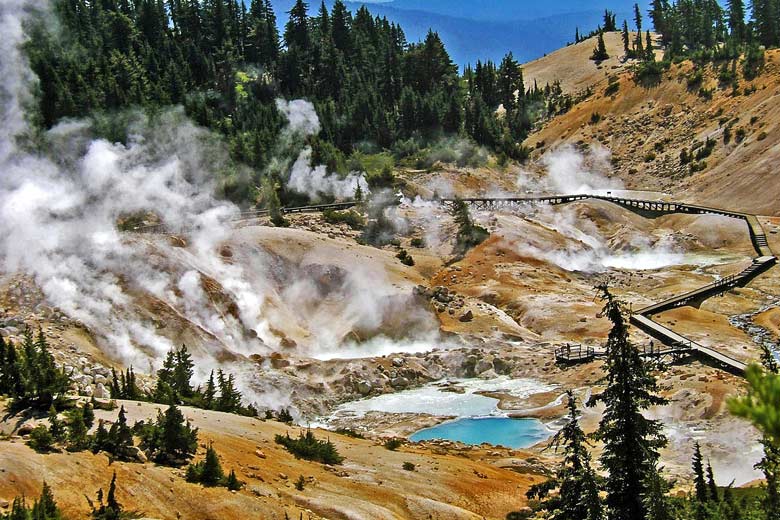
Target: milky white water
{"points": [[436, 399]]}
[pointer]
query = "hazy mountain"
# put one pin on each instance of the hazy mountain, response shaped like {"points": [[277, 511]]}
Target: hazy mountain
{"points": [[475, 30]]}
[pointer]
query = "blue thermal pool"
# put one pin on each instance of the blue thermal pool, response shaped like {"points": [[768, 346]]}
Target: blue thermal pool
{"points": [[503, 431]]}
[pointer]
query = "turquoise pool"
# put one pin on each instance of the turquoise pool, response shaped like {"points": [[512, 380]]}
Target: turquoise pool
{"points": [[503, 431]]}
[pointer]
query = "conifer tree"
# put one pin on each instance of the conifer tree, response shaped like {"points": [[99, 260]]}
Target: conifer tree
{"points": [[211, 473], [736, 19], [600, 52], [700, 485], [626, 39], [578, 491], [210, 393], [712, 487], [631, 441], [77, 430], [56, 426]]}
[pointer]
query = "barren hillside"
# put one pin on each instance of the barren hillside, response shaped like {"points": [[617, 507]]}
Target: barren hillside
{"points": [[647, 126]]}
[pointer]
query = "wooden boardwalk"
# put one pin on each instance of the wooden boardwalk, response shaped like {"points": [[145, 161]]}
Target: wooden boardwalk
{"points": [[642, 318]]}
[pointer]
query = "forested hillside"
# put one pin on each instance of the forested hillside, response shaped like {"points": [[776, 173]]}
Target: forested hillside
{"points": [[226, 64]]}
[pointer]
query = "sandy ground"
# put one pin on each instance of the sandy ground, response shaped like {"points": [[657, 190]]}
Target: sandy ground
{"points": [[466, 484]]}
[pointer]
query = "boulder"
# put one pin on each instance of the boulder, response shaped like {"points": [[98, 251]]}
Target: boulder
{"points": [[483, 365], [467, 317], [26, 428], [363, 387], [399, 382], [260, 454], [101, 392]]}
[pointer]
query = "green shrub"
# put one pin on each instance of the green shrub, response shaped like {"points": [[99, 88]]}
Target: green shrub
{"points": [[348, 432], [284, 416], [706, 150], [650, 157], [408, 466], [685, 156], [393, 444], [405, 257], [613, 87], [300, 484], [307, 446], [761, 136], [595, 117], [349, 217], [418, 242], [740, 135], [41, 439]]}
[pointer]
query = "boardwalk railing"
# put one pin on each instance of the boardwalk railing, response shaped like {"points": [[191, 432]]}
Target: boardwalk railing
{"points": [[676, 343]]}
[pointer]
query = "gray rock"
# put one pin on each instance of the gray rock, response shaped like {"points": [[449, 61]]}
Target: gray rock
{"points": [[88, 391], [483, 365], [100, 379], [468, 316], [397, 362], [364, 387], [101, 392], [399, 382]]}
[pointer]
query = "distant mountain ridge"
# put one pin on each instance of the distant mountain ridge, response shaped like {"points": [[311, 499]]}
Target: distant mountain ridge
{"points": [[490, 29]]}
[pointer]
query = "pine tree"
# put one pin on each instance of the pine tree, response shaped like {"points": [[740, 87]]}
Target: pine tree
{"points": [[56, 426], [45, 508], [700, 485], [232, 482], [170, 440], [210, 394], [112, 509], [626, 39], [712, 487], [736, 19], [578, 492], [120, 437], [631, 441], [600, 52], [638, 47], [211, 473], [77, 430]]}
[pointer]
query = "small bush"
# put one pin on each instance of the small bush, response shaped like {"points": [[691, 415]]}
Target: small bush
{"points": [[698, 166], [685, 156], [650, 157], [754, 120], [706, 150], [418, 242], [761, 136], [393, 444], [348, 432], [405, 257], [727, 135], [284, 416], [595, 117], [308, 447], [705, 93], [300, 484], [350, 217], [408, 466], [613, 87], [41, 439], [695, 80], [740, 135]]}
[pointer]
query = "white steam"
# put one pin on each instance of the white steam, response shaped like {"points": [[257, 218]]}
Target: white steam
{"points": [[569, 171], [315, 182]]}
